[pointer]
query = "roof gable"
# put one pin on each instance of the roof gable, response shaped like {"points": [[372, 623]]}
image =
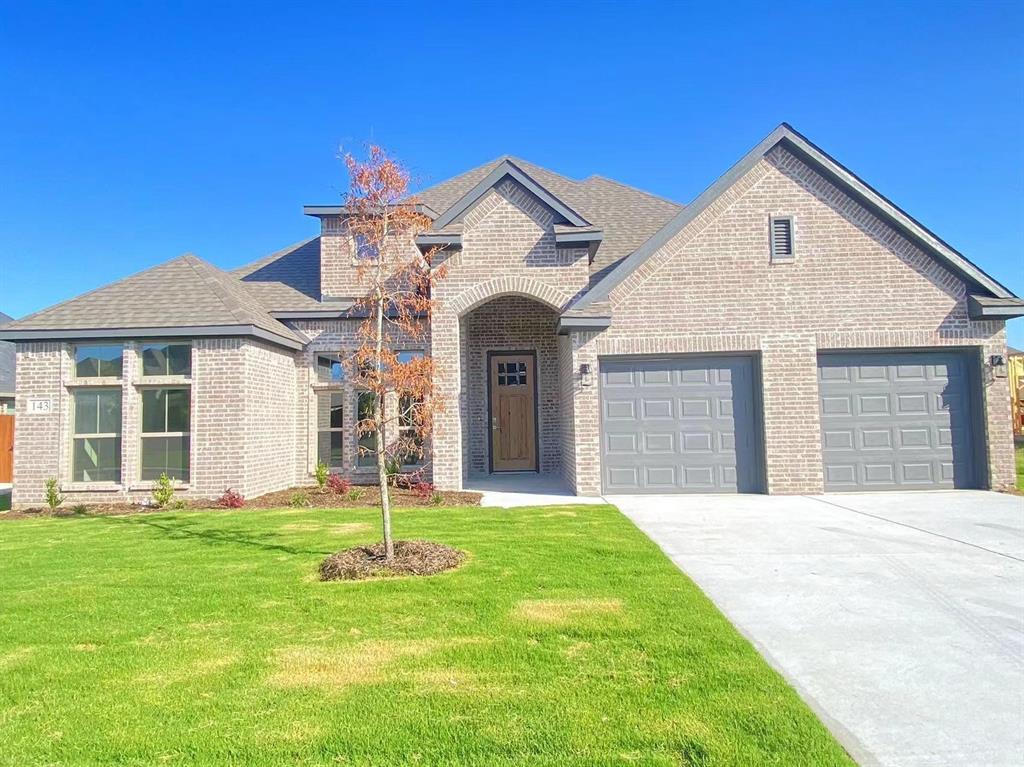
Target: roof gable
{"points": [[832, 170], [508, 169]]}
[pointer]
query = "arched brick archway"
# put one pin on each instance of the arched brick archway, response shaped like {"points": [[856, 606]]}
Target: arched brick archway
{"points": [[479, 294]]}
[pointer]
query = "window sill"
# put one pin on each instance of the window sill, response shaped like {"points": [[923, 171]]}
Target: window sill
{"points": [[328, 385], [152, 485], [91, 487], [790, 260], [104, 381], [163, 381]]}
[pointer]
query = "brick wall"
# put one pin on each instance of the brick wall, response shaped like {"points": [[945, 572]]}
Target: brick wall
{"points": [[271, 394], [855, 284], [243, 404]]}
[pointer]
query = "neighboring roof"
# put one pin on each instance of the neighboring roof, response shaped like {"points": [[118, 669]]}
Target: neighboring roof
{"points": [[1012, 352], [835, 172], [7, 358], [184, 296]]}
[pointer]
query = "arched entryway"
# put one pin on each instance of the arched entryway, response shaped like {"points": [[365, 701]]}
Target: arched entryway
{"points": [[509, 399]]}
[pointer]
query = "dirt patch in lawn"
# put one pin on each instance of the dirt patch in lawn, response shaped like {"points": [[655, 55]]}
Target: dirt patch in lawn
{"points": [[363, 663], [555, 612], [411, 558]]}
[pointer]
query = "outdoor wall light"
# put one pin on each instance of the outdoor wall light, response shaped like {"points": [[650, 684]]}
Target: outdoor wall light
{"points": [[998, 364], [586, 374]]}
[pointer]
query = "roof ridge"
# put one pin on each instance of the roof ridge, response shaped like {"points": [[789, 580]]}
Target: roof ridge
{"points": [[633, 189], [235, 306]]}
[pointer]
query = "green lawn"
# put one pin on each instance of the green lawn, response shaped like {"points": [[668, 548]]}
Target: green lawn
{"points": [[203, 638], [1019, 453]]}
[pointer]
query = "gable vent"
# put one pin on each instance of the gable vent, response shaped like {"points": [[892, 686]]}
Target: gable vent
{"points": [[782, 238]]}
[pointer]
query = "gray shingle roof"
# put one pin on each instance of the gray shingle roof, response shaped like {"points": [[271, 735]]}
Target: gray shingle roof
{"points": [[286, 280], [185, 292]]}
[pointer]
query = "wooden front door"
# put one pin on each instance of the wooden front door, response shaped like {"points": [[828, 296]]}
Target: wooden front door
{"points": [[513, 382], [6, 448]]}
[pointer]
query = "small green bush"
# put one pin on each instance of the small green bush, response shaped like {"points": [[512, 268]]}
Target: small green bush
{"points": [[436, 499], [299, 499], [321, 473], [80, 509], [163, 492], [355, 494], [53, 496]]}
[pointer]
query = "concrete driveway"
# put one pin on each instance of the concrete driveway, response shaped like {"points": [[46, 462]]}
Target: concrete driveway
{"points": [[899, 617]]}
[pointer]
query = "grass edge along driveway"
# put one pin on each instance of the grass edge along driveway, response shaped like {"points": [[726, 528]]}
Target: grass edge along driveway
{"points": [[204, 638]]}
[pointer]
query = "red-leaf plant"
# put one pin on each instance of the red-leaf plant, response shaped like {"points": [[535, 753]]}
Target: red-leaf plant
{"points": [[383, 222]]}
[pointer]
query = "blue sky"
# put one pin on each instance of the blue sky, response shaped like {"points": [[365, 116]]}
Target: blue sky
{"points": [[128, 137]]}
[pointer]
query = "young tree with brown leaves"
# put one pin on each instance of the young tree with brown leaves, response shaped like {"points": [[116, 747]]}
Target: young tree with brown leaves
{"points": [[383, 223]]}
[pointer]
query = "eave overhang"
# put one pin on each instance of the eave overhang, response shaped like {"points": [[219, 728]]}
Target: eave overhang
{"points": [[575, 323], [196, 331], [989, 308]]}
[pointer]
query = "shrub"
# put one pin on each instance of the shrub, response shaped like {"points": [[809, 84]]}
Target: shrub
{"points": [[436, 499], [355, 494], [179, 505], [80, 509], [423, 490], [163, 491], [53, 496], [339, 485], [321, 473], [299, 499], [231, 499]]}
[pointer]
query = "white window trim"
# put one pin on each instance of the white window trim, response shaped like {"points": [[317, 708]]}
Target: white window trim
{"points": [[97, 483], [143, 435]]}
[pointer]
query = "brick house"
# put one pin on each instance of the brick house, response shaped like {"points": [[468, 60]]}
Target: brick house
{"points": [[788, 331]]}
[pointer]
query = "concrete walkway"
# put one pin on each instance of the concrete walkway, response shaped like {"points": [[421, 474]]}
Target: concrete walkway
{"points": [[525, 489], [898, 617]]}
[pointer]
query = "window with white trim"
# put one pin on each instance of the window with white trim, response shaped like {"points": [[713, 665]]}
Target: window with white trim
{"points": [[166, 433], [367, 443], [331, 428], [330, 369], [166, 359], [407, 416], [98, 360], [96, 442]]}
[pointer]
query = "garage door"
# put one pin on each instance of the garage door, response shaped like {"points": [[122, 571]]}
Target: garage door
{"points": [[897, 421], [679, 425]]}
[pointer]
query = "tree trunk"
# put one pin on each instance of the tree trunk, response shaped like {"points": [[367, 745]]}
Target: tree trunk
{"points": [[378, 417]]}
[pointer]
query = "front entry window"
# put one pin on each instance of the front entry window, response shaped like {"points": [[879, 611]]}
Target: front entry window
{"points": [[512, 374]]}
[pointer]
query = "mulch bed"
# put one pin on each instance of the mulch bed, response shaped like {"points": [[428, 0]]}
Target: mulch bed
{"points": [[369, 495], [314, 499], [411, 558]]}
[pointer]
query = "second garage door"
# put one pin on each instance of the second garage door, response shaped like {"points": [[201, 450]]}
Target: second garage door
{"points": [[897, 420], [679, 425]]}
